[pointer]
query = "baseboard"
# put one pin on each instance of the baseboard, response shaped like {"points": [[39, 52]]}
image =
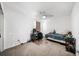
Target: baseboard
{"points": [[14, 46]]}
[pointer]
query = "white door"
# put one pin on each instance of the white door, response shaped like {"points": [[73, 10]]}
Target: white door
{"points": [[0, 42], [0, 35], [1, 29], [1, 32]]}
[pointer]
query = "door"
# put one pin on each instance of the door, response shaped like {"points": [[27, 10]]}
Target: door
{"points": [[1, 29], [0, 42], [1, 32], [38, 26]]}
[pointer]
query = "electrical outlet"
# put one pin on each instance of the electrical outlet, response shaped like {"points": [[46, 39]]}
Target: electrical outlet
{"points": [[19, 41]]}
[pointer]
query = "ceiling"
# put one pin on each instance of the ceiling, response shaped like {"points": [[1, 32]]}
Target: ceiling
{"points": [[58, 8], [54, 8]]}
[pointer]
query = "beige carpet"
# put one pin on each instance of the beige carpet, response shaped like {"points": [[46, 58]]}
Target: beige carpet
{"points": [[46, 48]]}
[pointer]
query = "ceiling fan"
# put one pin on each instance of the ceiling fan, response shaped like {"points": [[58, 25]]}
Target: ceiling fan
{"points": [[45, 14]]}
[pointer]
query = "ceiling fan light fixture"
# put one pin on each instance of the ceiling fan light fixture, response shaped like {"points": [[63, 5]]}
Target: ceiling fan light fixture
{"points": [[44, 17]]}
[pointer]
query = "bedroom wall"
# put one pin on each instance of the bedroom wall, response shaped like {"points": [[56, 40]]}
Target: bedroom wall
{"points": [[60, 24], [19, 23], [75, 23]]}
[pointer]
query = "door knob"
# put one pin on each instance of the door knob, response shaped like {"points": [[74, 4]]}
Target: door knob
{"points": [[0, 35]]}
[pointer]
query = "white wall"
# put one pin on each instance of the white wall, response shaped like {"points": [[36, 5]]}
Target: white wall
{"points": [[75, 23], [19, 23], [60, 24], [1, 31]]}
